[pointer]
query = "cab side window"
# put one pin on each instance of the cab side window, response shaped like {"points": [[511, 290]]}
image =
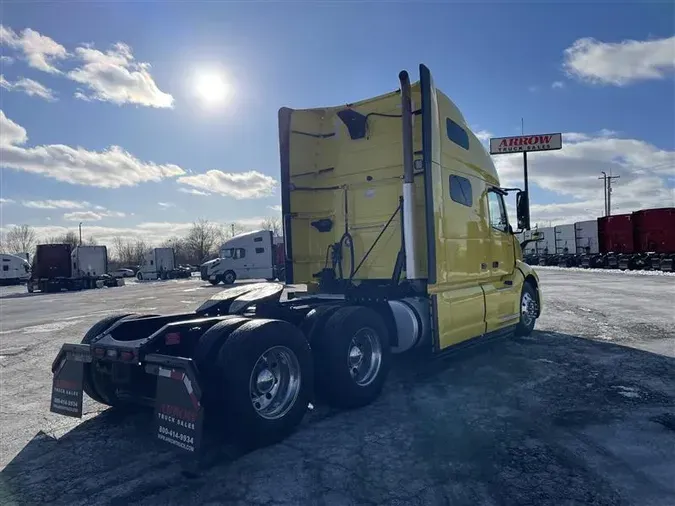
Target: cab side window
{"points": [[497, 210], [227, 253], [460, 190], [238, 253]]}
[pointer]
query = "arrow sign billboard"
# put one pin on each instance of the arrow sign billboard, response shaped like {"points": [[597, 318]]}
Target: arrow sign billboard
{"points": [[525, 143]]}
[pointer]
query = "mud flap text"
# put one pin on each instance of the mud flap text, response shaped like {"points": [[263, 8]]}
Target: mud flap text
{"points": [[178, 411], [67, 389]]}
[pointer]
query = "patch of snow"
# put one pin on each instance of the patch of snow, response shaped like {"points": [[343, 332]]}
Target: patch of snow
{"points": [[606, 271], [630, 392], [48, 327]]}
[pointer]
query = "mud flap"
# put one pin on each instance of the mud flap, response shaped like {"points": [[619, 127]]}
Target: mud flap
{"points": [[68, 369], [179, 415]]}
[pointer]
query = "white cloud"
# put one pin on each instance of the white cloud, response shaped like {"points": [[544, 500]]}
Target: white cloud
{"points": [[240, 185], [165, 205], [40, 51], [6, 201], [10, 133], [7, 60], [276, 209], [483, 135], [572, 173], [29, 87], [114, 76], [192, 191], [112, 168], [619, 63], [82, 216], [533, 89], [55, 204], [557, 85]]}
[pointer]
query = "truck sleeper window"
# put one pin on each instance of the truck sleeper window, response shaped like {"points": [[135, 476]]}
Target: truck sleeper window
{"points": [[260, 250], [460, 190], [498, 219], [457, 134]]}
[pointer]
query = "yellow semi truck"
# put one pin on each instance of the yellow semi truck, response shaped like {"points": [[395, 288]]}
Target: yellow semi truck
{"points": [[395, 219]]}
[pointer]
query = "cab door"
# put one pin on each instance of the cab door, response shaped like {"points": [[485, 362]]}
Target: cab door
{"points": [[455, 233], [502, 292]]}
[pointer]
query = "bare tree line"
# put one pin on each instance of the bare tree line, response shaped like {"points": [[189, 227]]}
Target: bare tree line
{"points": [[201, 242]]}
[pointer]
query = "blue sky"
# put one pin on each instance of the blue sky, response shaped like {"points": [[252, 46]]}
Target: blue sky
{"points": [[498, 61]]}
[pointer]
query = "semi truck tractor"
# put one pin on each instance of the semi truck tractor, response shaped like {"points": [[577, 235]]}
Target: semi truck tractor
{"points": [[394, 219], [58, 267], [252, 255], [14, 269]]}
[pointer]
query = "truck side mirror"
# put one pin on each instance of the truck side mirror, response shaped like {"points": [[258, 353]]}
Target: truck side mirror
{"points": [[522, 210]]}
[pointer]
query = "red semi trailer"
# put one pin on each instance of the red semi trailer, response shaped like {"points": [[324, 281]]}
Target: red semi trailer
{"points": [[644, 239]]}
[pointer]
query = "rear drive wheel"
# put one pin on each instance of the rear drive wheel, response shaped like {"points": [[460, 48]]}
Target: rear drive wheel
{"points": [[266, 369], [229, 277], [206, 355], [139, 276], [528, 310], [95, 384], [214, 282], [353, 354], [315, 321]]}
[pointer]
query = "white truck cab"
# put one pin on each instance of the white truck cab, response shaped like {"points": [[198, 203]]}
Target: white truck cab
{"points": [[246, 256], [13, 269], [159, 263]]}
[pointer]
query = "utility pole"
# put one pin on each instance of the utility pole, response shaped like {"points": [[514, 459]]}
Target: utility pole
{"points": [[609, 193], [607, 181], [80, 233], [604, 187]]}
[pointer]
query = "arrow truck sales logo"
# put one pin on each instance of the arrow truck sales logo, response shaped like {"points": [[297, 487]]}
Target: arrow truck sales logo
{"points": [[524, 143]]}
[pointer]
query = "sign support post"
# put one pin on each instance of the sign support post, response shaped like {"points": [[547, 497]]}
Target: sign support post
{"points": [[526, 185]]}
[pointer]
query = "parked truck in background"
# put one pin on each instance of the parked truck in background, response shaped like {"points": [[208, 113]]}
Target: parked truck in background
{"points": [[90, 265], [14, 270], [58, 267], [160, 263], [251, 255]]}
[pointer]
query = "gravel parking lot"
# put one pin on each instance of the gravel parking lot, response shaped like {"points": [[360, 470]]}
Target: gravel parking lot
{"points": [[582, 412]]}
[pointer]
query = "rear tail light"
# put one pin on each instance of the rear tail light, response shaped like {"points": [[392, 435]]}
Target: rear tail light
{"points": [[172, 338], [99, 352], [127, 356]]}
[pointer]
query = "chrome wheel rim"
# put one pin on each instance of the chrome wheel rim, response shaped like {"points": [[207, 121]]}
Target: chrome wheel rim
{"points": [[528, 309], [274, 384], [364, 357]]}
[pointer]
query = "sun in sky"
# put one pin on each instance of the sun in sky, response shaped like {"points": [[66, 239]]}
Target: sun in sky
{"points": [[212, 87]]}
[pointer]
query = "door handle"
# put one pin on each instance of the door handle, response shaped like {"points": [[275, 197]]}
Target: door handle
{"points": [[483, 266], [495, 264]]}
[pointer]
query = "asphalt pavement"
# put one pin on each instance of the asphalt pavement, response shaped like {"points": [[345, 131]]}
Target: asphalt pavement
{"points": [[581, 412]]}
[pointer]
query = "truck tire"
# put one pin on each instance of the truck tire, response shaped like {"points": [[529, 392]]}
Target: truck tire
{"points": [[206, 352], [315, 321], [139, 276], [353, 355], [214, 282], [94, 384], [266, 369], [229, 277], [528, 310]]}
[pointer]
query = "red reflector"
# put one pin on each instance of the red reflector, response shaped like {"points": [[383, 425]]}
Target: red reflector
{"points": [[172, 338], [127, 355], [99, 352]]}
